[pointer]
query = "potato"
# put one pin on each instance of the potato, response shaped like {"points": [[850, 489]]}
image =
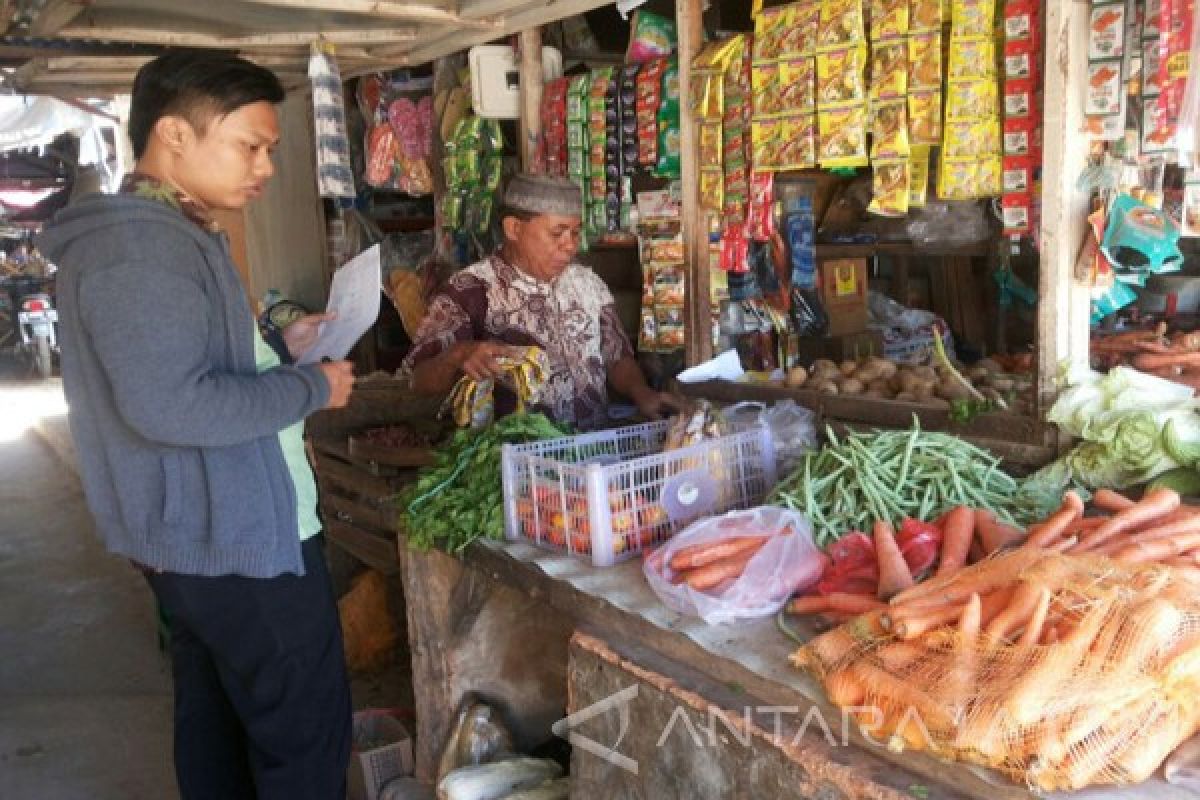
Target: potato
{"points": [[876, 394], [823, 366], [880, 386], [848, 367], [925, 372], [977, 374], [937, 402], [851, 386], [924, 392], [989, 365], [906, 397], [826, 387], [796, 377], [1002, 384], [953, 391], [888, 368]]}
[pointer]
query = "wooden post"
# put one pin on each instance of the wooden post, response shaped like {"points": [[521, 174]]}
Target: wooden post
{"points": [[689, 21], [1063, 305], [531, 78]]}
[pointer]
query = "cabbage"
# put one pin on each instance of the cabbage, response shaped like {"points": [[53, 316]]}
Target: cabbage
{"points": [[1123, 419]]}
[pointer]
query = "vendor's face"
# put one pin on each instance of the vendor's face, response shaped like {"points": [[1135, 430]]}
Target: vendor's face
{"points": [[227, 164], [545, 245]]}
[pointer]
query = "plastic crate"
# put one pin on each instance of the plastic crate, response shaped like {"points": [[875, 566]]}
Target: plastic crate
{"points": [[611, 494], [382, 750]]}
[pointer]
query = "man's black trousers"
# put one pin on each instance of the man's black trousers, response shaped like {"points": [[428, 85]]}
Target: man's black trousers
{"points": [[262, 702]]}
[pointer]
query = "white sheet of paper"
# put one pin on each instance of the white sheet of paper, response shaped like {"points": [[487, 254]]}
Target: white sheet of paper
{"points": [[354, 295], [725, 367]]}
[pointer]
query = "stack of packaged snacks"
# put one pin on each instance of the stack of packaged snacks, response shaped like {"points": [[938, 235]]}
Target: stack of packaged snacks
{"points": [[841, 89], [783, 82], [578, 157], [649, 98], [1022, 115], [473, 165], [662, 318], [596, 219], [668, 123], [1105, 102], [554, 127], [1167, 36], [627, 133], [971, 162], [925, 73], [735, 130], [890, 148]]}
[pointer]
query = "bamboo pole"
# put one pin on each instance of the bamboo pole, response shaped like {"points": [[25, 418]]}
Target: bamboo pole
{"points": [[690, 25], [529, 42]]}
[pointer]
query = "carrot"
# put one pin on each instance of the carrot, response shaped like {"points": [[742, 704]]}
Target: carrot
{"points": [[1051, 528], [835, 602], [1158, 549], [699, 555], [1157, 503], [1086, 524], [1033, 629], [844, 690], [1149, 629], [1109, 500], [904, 694], [717, 572], [1175, 524], [956, 689], [920, 620], [993, 604], [993, 534], [1149, 361], [1025, 599], [829, 649], [1063, 545], [975, 554], [894, 574], [956, 540], [899, 657], [984, 577]]}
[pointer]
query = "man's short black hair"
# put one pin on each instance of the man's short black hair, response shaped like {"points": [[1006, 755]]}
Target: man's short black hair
{"points": [[197, 85]]}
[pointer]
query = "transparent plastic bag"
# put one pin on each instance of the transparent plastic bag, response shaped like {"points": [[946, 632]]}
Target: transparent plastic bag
{"points": [[785, 563], [944, 222], [793, 428]]}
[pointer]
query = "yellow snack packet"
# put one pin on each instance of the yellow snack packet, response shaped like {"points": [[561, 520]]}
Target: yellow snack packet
{"points": [[707, 96], [989, 177], [765, 144], [973, 58], [924, 15], [800, 38], [972, 18], [768, 98], [925, 61], [918, 177], [770, 27], [972, 99], [712, 188], [889, 68], [840, 24], [798, 84], [925, 118], [840, 76], [963, 138], [956, 178], [888, 18], [842, 136], [798, 142], [710, 145], [889, 188], [889, 129]]}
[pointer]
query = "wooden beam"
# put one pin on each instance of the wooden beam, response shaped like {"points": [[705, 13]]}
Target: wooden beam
{"points": [[55, 15], [689, 22], [526, 15], [96, 62], [6, 15], [1063, 305], [194, 39], [23, 75], [531, 82], [382, 9]]}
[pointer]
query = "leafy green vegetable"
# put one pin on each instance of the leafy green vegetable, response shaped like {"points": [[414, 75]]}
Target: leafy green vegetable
{"points": [[1184, 480], [871, 475], [460, 498]]}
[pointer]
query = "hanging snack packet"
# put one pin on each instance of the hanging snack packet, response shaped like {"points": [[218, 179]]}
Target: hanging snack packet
{"points": [[925, 61], [918, 177], [925, 118], [770, 27], [798, 142], [760, 217], [890, 188], [668, 124], [766, 144], [800, 36], [924, 16], [889, 18], [842, 136], [972, 100], [971, 138], [651, 36], [841, 23], [889, 68], [956, 179], [767, 94], [989, 176], [798, 84], [889, 129], [649, 93], [840, 76], [972, 58], [712, 189], [710, 145], [973, 17]]}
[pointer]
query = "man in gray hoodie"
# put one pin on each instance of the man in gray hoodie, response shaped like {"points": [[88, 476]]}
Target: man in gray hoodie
{"points": [[189, 430]]}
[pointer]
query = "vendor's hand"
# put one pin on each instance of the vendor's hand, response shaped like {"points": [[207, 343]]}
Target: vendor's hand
{"points": [[479, 360], [340, 377], [655, 405], [302, 334]]}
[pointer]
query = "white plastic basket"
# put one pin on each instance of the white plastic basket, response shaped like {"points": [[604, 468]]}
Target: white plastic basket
{"points": [[609, 495]]}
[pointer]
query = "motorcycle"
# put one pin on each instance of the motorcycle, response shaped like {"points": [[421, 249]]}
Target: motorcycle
{"points": [[36, 323]]}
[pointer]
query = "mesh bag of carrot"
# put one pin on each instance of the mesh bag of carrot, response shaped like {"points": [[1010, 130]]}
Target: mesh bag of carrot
{"points": [[1060, 671]]}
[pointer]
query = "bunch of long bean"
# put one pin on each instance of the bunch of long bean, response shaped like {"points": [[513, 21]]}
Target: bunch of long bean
{"points": [[887, 475]]}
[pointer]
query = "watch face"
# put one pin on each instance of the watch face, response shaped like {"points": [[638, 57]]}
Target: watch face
{"points": [[284, 313]]}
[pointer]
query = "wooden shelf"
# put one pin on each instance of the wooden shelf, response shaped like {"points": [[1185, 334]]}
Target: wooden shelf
{"points": [[975, 250]]}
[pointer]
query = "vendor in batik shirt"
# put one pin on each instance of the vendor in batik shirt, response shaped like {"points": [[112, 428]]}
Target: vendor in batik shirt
{"points": [[531, 292]]}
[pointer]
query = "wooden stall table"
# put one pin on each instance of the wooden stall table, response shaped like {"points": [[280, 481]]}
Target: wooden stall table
{"points": [[716, 711]]}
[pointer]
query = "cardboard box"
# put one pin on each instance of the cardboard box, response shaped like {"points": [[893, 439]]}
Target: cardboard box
{"points": [[844, 294], [839, 348], [382, 750]]}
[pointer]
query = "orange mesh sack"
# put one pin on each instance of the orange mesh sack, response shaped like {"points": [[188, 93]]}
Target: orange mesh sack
{"points": [[1060, 671]]}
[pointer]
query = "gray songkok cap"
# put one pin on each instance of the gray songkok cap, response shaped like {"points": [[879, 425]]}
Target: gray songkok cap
{"points": [[543, 194]]}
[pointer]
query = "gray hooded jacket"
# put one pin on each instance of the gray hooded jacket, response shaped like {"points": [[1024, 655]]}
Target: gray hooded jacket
{"points": [[175, 429]]}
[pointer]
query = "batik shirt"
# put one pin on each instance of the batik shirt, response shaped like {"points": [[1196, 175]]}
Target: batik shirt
{"points": [[573, 318]]}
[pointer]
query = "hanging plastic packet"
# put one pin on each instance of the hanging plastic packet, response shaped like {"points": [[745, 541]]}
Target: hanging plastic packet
{"points": [[840, 76], [840, 23], [889, 18], [649, 94], [890, 188], [797, 142], [760, 217], [798, 85], [842, 136], [651, 36], [925, 118], [889, 69], [889, 129], [925, 15], [918, 171], [668, 124]]}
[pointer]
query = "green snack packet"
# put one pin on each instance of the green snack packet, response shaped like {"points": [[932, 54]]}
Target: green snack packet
{"points": [[493, 171], [469, 167]]}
